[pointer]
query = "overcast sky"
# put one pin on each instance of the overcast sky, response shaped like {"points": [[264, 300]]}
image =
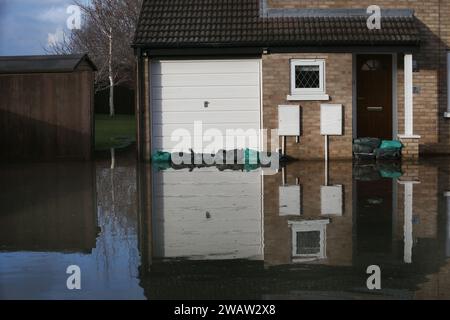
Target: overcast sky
{"points": [[27, 26]]}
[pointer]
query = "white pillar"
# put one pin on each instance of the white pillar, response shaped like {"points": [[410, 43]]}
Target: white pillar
{"points": [[409, 95], [447, 114]]}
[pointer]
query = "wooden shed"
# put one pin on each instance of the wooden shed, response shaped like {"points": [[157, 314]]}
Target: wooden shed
{"points": [[46, 107]]}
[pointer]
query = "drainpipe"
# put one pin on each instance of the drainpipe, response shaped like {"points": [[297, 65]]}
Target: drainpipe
{"points": [[139, 104]]}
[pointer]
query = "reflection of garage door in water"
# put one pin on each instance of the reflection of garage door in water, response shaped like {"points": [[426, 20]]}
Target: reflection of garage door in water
{"points": [[207, 214], [223, 95]]}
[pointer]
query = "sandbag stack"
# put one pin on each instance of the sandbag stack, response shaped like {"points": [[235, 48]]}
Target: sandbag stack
{"points": [[377, 149]]}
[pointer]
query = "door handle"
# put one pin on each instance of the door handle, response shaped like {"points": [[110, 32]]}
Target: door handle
{"points": [[206, 104], [375, 109]]}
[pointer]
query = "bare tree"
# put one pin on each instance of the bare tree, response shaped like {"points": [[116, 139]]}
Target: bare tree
{"points": [[107, 32]]}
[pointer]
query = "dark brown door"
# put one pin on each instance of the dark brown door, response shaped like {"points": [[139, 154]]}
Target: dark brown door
{"points": [[374, 93]]}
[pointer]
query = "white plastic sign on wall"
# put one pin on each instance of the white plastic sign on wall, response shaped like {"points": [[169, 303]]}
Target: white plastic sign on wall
{"points": [[331, 119], [290, 201], [331, 200], [289, 120]]}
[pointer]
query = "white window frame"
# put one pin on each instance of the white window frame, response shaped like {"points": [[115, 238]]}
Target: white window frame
{"points": [[308, 94], [308, 226]]}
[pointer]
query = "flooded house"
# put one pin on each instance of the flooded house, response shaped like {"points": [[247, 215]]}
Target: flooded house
{"points": [[46, 107], [376, 71]]}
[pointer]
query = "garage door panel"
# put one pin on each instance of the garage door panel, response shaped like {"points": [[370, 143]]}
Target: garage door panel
{"points": [[184, 176], [206, 80], [167, 129], [208, 117], [209, 92], [194, 190], [230, 104], [185, 144], [205, 67]]}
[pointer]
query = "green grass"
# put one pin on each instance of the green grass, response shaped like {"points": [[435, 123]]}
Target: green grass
{"points": [[114, 132]]}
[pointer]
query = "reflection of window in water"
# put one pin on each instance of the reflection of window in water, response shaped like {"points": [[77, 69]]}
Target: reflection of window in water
{"points": [[308, 242]]}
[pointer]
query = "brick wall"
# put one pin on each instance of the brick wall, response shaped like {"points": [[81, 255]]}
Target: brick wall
{"points": [[276, 88], [431, 102]]}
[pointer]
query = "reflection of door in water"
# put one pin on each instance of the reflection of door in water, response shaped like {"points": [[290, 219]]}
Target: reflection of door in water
{"points": [[374, 91], [374, 216]]}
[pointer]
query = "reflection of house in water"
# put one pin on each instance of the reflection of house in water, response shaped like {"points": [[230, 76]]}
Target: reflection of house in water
{"points": [[322, 228], [321, 231], [48, 207]]}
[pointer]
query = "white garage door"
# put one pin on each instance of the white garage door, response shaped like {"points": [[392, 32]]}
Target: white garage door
{"points": [[205, 105]]}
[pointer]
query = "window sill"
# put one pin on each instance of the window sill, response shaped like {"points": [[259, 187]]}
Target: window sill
{"points": [[309, 97]]}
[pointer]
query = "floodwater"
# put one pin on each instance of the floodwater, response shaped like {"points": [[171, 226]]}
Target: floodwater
{"points": [[305, 232]]}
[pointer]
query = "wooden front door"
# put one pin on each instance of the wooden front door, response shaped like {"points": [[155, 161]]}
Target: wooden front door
{"points": [[374, 94]]}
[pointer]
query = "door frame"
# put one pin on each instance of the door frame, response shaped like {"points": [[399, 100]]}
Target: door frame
{"points": [[394, 92]]}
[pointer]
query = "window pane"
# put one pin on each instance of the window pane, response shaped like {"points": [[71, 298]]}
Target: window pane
{"points": [[372, 65], [307, 77], [308, 242]]}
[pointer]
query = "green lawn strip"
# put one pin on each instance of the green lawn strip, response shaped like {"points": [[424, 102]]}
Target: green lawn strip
{"points": [[114, 132]]}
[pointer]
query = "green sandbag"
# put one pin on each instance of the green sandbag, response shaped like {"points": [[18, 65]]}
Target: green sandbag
{"points": [[391, 144], [361, 148], [161, 156], [388, 154], [162, 166], [251, 156], [368, 142], [391, 174]]}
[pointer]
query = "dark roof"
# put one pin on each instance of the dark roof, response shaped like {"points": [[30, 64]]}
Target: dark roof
{"points": [[245, 23], [44, 64]]}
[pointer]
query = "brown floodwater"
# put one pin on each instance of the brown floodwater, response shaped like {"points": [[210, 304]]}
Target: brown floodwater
{"points": [[305, 232]]}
